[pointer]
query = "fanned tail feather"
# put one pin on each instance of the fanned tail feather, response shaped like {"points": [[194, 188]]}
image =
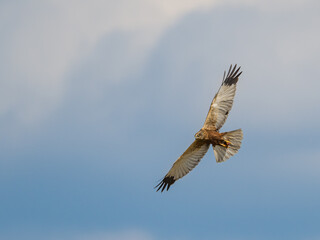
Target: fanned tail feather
{"points": [[223, 153]]}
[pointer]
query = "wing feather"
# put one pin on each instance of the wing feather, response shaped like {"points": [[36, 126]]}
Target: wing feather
{"points": [[185, 163], [223, 100]]}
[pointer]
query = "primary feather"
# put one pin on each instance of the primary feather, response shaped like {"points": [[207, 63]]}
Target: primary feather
{"points": [[185, 163], [223, 100]]}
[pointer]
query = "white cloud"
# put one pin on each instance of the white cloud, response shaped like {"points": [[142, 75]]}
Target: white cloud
{"points": [[43, 40], [129, 234], [268, 6], [124, 235]]}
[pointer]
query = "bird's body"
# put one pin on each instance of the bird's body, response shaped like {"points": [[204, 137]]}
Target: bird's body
{"points": [[211, 136], [224, 144]]}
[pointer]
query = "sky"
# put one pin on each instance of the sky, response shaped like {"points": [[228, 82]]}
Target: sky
{"points": [[99, 98]]}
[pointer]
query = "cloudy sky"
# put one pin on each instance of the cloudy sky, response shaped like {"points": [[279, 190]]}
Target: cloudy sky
{"points": [[99, 98]]}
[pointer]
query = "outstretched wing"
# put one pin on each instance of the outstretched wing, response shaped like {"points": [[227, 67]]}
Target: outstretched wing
{"points": [[185, 163], [222, 102]]}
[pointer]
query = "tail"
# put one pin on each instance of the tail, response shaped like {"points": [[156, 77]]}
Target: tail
{"points": [[223, 153]]}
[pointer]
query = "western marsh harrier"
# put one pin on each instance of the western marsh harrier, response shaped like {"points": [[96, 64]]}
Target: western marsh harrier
{"points": [[224, 144]]}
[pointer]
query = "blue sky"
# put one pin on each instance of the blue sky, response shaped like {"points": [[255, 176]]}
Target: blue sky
{"points": [[99, 99]]}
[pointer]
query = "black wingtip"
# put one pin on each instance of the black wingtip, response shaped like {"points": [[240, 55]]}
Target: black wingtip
{"points": [[232, 76], [165, 183]]}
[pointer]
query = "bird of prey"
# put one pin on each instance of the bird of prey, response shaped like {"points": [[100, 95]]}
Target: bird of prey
{"points": [[224, 144]]}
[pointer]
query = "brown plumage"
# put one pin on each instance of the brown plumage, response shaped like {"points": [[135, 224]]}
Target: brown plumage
{"points": [[224, 145]]}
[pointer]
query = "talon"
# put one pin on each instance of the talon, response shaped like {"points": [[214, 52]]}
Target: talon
{"points": [[226, 144], [223, 145]]}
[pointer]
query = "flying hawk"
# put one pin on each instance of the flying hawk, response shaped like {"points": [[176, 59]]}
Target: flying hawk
{"points": [[224, 144]]}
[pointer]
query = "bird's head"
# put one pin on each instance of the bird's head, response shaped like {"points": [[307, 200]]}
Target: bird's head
{"points": [[199, 135]]}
